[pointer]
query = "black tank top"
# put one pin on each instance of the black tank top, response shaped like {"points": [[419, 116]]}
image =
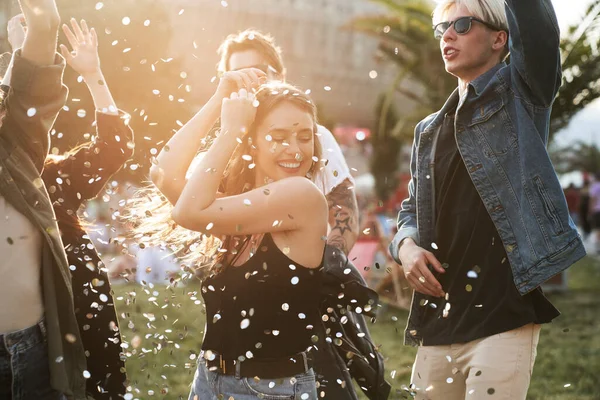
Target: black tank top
{"points": [[264, 308]]}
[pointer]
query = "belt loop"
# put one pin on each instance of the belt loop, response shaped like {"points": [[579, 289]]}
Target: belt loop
{"points": [[238, 367], [305, 359], [42, 325]]}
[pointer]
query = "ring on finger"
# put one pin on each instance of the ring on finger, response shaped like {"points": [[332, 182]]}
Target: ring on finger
{"points": [[422, 279]]}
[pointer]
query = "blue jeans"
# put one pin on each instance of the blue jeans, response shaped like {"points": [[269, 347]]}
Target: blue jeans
{"points": [[24, 371], [210, 385]]}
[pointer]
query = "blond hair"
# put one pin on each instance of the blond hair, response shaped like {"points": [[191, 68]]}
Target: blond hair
{"points": [[250, 39], [150, 212], [490, 11]]}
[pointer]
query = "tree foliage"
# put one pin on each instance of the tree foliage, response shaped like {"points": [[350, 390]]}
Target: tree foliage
{"points": [[581, 69], [386, 151], [580, 156], [406, 39]]}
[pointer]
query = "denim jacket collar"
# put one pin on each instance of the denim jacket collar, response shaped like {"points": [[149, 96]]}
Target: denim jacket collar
{"points": [[479, 83], [450, 103]]}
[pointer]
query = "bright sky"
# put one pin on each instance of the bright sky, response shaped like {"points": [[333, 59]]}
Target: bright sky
{"points": [[569, 11], [584, 126]]}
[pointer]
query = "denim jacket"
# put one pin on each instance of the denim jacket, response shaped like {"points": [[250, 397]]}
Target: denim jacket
{"points": [[501, 130]]}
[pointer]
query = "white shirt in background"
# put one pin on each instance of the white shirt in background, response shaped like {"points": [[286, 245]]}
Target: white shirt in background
{"points": [[336, 171]]}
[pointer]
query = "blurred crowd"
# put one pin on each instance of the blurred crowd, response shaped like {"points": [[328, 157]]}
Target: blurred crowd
{"points": [[584, 206]]}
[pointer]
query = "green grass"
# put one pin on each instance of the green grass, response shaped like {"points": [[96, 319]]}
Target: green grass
{"points": [[169, 325]]}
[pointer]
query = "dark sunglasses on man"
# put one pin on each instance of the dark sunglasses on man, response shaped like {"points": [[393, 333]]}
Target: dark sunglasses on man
{"points": [[462, 26]]}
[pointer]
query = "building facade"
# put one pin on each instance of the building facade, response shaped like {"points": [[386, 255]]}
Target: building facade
{"points": [[321, 53]]}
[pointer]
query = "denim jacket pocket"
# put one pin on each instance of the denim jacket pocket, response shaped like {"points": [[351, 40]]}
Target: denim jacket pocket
{"points": [[549, 207], [271, 389], [493, 126], [485, 111]]}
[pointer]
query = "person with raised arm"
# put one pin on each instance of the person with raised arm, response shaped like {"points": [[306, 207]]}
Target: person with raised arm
{"points": [[486, 222], [246, 59], [84, 171], [270, 219], [41, 353]]}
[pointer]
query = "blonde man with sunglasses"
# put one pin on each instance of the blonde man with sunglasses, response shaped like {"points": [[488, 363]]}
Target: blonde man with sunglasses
{"points": [[486, 221]]}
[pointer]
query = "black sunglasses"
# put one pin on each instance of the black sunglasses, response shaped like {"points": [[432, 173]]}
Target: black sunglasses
{"points": [[462, 26]]}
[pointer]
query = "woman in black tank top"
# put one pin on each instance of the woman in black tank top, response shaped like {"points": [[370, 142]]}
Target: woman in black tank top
{"points": [[264, 226]]}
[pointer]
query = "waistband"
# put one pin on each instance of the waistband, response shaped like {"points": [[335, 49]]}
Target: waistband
{"points": [[24, 339], [263, 368]]}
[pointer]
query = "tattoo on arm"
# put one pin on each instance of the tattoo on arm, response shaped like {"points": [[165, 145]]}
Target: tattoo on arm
{"points": [[343, 216]]}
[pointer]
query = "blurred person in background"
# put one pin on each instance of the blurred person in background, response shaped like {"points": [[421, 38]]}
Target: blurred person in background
{"points": [[572, 196], [594, 211], [584, 209]]}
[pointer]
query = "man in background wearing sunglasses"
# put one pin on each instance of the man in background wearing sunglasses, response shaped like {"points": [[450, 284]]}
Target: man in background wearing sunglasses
{"points": [[486, 221]]}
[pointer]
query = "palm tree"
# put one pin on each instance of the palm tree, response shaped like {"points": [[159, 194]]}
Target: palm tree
{"points": [[581, 69], [406, 39], [580, 156], [386, 144]]}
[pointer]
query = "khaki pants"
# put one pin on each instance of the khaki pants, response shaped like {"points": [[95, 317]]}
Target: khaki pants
{"points": [[497, 367]]}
